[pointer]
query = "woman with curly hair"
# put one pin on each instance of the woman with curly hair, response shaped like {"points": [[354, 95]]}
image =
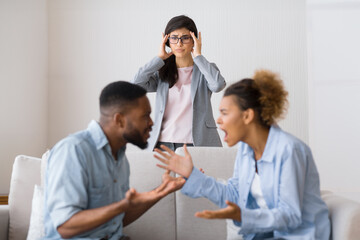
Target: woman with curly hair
{"points": [[184, 81], [275, 189]]}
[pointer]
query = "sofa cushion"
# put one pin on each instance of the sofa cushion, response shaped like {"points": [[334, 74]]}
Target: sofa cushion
{"points": [[159, 221], [36, 227], [25, 174], [44, 160], [344, 216], [221, 167], [4, 221]]}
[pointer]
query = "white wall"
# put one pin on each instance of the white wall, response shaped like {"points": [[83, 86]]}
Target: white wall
{"points": [[23, 82], [334, 84], [93, 43]]}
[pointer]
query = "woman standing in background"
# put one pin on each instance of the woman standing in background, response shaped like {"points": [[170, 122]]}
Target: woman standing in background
{"points": [[184, 81]]}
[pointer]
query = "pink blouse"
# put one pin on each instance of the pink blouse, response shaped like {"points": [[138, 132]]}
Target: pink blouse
{"points": [[177, 122]]}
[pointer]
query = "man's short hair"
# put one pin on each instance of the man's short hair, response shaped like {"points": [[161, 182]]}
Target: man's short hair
{"points": [[120, 94]]}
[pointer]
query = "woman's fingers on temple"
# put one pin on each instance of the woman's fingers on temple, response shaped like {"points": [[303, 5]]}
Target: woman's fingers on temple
{"points": [[164, 39], [193, 36]]}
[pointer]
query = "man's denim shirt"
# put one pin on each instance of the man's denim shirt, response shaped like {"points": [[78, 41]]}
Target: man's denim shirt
{"points": [[82, 174]]}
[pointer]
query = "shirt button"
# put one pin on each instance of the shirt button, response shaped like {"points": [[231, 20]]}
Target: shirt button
{"points": [[115, 180], [114, 223]]}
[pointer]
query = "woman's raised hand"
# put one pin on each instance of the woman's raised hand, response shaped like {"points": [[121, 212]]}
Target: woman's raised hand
{"points": [[174, 162], [163, 54], [197, 44]]}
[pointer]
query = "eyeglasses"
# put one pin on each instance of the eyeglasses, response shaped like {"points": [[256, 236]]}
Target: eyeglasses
{"points": [[184, 39]]}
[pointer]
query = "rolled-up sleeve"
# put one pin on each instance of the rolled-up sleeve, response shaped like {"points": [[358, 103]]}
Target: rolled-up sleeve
{"points": [[215, 81], [200, 185], [66, 181], [287, 215]]}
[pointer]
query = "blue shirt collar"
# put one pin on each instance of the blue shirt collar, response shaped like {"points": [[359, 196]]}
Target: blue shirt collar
{"points": [[272, 141], [97, 134], [100, 139], [268, 155]]}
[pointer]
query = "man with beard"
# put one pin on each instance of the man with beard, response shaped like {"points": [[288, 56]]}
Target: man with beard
{"points": [[87, 191]]}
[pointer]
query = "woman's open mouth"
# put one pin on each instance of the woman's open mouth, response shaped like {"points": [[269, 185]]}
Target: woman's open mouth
{"points": [[226, 135]]}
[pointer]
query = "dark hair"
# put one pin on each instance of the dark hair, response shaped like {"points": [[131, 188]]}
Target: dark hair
{"points": [[120, 94], [168, 73], [265, 94]]}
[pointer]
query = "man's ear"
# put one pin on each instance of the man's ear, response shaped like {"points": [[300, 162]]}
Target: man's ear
{"points": [[248, 115], [119, 119]]}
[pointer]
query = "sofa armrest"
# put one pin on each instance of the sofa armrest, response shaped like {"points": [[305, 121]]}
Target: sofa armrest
{"points": [[344, 216], [4, 221]]}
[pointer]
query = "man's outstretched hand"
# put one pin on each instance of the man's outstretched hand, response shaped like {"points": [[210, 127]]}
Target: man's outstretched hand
{"points": [[136, 203], [169, 184]]}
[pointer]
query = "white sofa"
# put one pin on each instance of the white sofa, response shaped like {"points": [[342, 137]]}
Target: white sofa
{"points": [[173, 217]]}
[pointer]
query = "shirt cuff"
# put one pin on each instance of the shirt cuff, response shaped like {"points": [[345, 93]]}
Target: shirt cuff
{"points": [[59, 217], [237, 223], [193, 183], [247, 226]]}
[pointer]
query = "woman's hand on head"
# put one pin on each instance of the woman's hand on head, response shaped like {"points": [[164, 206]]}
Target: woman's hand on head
{"points": [[182, 165], [163, 54], [197, 44]]}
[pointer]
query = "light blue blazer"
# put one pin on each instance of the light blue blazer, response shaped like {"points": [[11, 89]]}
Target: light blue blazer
{"points": [[206, 79]]}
